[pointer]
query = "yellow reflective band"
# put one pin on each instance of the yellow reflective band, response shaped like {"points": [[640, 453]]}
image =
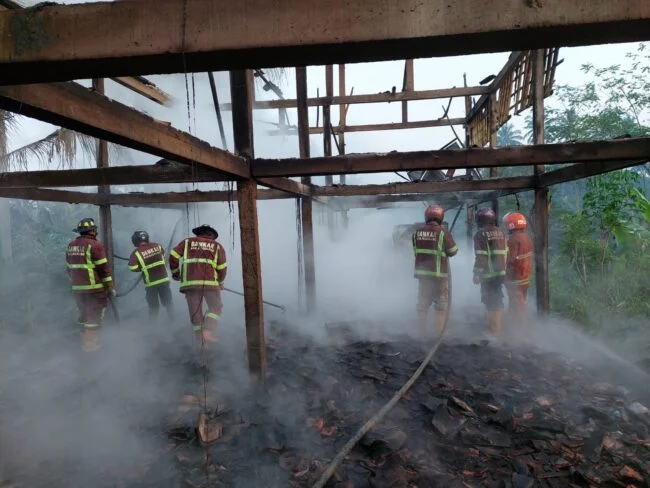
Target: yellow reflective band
{"points": [[200, 283], [222, 266], [156, 264], [482, 253], [427, 251], [94, 286], [525, 281], [214, 316], [175, 270], [100, 262], [437, 274], [91, 326], [135, 267], [196, 328], [158, 282], [524, 256], [453, 249], [107, 279], [175, 254]]}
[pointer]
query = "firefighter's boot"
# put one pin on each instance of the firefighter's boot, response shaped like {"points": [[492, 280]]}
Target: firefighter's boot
{"points": [[495, 319], [90, 339], [441, 318]]}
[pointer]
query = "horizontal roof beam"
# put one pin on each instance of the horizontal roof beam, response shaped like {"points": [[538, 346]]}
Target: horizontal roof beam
{"points": [[386, 97], [128, 199], [579, 171], [74, 107], [580, 152], [161, 172], [418, 124], [108, 39], [47, 195]]}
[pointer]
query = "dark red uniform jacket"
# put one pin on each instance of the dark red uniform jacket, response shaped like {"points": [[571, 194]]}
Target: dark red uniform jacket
{"points": [[200, 262], [520, 258], [87, 265], [490, 251], [432, 246], [149, 258]]}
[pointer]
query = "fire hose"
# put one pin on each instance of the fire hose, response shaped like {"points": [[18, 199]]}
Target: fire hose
{"points": [[331, 469]]}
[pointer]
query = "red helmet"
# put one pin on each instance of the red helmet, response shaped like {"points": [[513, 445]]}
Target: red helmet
{"points": [[434, 213], [514, 221], [486, 216]]}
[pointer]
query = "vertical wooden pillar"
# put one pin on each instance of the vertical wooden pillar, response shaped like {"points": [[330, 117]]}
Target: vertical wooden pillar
{"points": [[343, 112], [327, 137], [541, 194], [468, 144], [306, 202], [494, 127], [105, 214], [241, 87], [6, 246], [407, 86]]}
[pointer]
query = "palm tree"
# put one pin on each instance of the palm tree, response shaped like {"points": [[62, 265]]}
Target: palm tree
{"points": [[509, 136], [62, 144]]}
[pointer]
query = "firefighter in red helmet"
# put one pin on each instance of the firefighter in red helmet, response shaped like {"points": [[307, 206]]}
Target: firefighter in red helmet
{"points": [[199, 263], [490, 252], [519, 265], [433, 246], [91, 280]]}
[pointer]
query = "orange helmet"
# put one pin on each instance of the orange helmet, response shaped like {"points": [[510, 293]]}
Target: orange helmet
{"points": [[434, 212], [514, 221]]}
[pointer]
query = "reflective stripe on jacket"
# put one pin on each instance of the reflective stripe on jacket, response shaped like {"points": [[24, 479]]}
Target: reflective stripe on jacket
{"points": [[520, 258], [149, 258], [490, 251], [87, 265], [432, 247], [200, 261]]}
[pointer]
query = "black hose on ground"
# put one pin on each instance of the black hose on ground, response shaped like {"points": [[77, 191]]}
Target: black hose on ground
{"points": [[331, 469]]}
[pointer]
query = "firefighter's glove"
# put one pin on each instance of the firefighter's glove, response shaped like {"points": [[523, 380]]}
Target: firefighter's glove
{"points": [[176, 276], [112, 292], [221, 287], [476, 279]]}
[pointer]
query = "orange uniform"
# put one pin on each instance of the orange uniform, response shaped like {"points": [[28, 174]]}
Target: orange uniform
{"points": [[519, 268]]}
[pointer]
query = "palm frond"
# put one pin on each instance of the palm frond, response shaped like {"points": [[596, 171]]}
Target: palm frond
{"points": [[61, 145], [8, 122]]}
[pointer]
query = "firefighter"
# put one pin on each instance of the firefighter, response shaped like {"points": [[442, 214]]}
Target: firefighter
{"points": [[91, 279], [490, 251], [199, 263], [433, 245], [519, 264], [149, 259]]}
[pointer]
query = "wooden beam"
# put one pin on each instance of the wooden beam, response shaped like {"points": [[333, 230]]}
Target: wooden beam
{"points": [[579, 171], [386, 97], [587, 152], [241, 90], [46, 195], [407, 86], [138, 84], [196, 196], [161, 172], [494, 129], [144, 87], [49, 42], [518, 182], [306, 204], [285, 184], [513, 60], [72, 106], [418, 124]]}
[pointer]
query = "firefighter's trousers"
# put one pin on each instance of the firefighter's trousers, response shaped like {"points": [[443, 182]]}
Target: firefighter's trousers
{"points": [[195, 298], [517, 298], [91, 314], [156, 295], [432, 291]]}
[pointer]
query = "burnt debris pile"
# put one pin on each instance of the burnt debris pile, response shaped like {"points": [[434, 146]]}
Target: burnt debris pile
{"points": [[479, 416]]}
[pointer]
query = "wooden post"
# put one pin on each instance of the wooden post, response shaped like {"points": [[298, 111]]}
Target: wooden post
{"points": [[306, 202], [327, 137], [494, 127], [6, 246], [542, 293], [105, 214], [241, 88], [343, 112], [407, 86]]}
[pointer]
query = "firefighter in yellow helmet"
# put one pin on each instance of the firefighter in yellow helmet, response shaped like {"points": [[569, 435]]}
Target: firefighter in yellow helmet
{"points": [[91, 280]]}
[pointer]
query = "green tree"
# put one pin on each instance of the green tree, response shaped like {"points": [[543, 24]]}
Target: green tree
{"points": [[508, 135]]}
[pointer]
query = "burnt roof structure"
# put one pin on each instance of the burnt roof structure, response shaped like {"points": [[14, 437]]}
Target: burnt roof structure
{"points": [[45, 47]]}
